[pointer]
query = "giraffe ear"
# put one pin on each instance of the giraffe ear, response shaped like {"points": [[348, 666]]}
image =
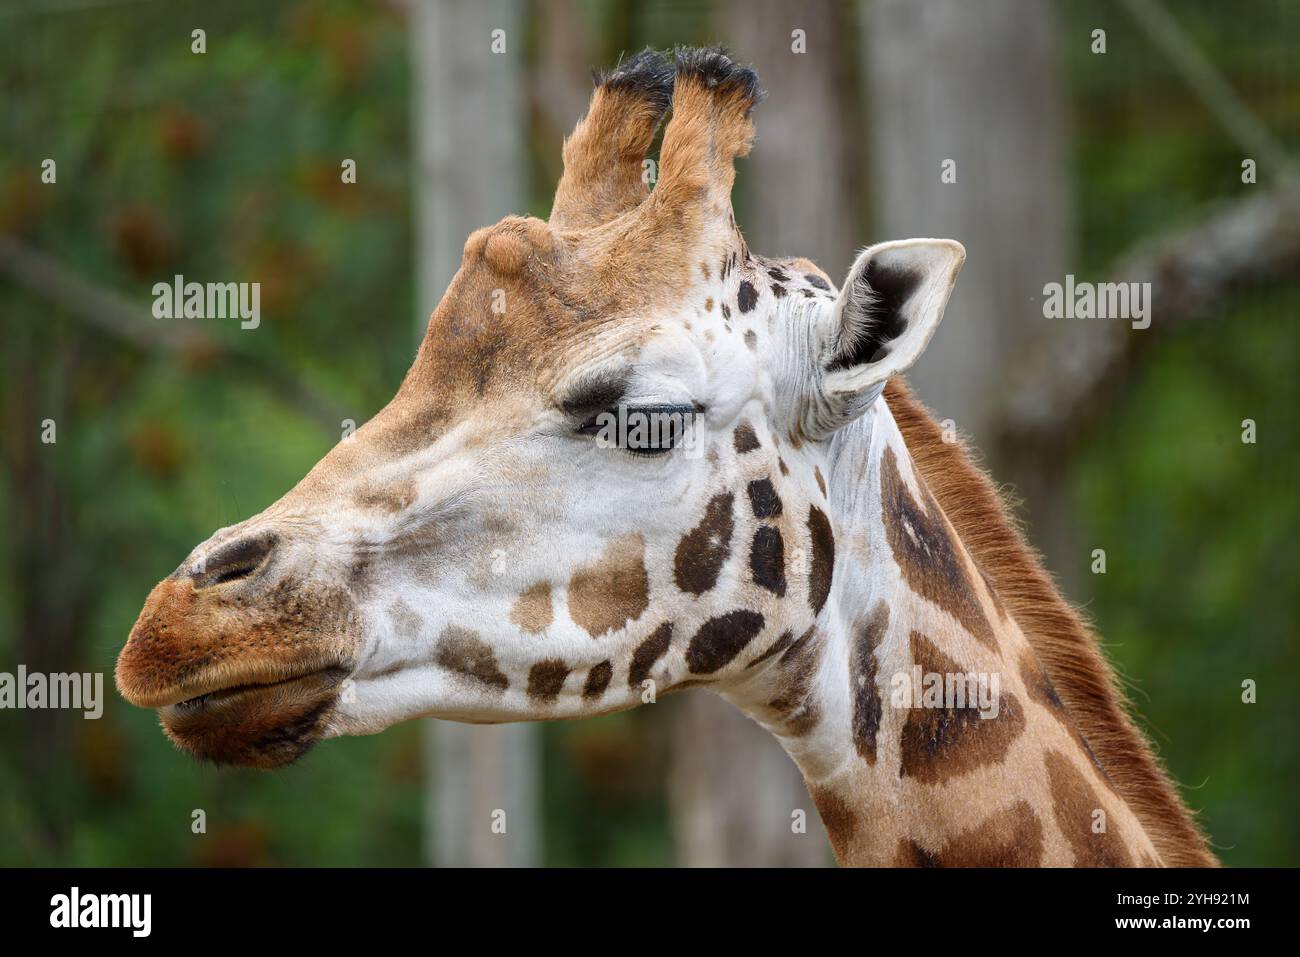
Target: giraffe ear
{"points": [[886, 312]]}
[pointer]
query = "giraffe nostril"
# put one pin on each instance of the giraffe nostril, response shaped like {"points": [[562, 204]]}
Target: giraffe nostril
{"points": [[235, 560]]}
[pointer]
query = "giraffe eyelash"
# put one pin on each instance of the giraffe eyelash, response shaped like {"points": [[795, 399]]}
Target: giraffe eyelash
{"points": [[646, 431]]}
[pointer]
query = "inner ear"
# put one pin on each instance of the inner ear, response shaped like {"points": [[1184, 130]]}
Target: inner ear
{"points": [[877, 316], [887, 310]]}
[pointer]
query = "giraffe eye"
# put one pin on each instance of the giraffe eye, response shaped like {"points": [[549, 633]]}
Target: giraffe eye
{"points": [[649, 430]]}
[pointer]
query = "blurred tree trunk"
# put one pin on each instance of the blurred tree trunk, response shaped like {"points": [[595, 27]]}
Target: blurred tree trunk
{"points": [[798, 194], [469, 125], [979, 84], [560, 82], [50, 571], [733, 790]]}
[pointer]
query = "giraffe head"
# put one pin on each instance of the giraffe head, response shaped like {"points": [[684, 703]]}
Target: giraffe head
{"points": [[604, 475]]}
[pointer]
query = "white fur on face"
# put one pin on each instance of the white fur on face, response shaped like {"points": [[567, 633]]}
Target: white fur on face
{"points": [[498, 512]]}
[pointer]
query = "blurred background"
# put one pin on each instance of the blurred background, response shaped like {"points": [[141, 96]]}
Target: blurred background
{"points": [[1131, 140]]}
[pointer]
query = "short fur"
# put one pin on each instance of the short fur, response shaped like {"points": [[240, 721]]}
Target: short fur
{"points": [[1063, 641]]}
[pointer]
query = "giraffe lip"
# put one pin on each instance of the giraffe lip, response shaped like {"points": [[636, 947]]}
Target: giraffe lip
{"points": [[234, 693], [265, 724]]}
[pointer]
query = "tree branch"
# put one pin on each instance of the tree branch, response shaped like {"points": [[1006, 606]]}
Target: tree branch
{"points": [[1191, 273], [1228, 109]]}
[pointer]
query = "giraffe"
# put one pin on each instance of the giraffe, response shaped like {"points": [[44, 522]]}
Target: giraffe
{"points": [[798, 537]]}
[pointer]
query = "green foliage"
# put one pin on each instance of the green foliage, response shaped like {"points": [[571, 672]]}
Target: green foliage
{"points": [[1199, 528], [1199, 591], [218, 166]]}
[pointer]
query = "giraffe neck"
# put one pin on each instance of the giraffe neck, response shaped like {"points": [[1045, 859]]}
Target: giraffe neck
{"points": [[932, 735]]}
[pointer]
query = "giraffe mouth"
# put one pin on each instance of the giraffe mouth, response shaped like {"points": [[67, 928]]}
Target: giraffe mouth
{"points": [[233, 694], [264, 725]]}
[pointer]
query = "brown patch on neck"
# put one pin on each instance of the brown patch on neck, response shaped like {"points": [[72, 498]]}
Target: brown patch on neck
{"points": [[1075, 803], [1040, 690], [532, 611], [867, 709], [1012, 837], [839, 818], [942, 743], [615, 591], [823, 558], [1060, 638], [796, 707], [927, 556]]}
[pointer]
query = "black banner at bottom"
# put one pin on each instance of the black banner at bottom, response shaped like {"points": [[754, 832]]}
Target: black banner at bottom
{"points": [[341, 906]]}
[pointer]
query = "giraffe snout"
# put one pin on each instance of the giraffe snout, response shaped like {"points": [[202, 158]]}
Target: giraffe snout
{"points": [[244, 648]]}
